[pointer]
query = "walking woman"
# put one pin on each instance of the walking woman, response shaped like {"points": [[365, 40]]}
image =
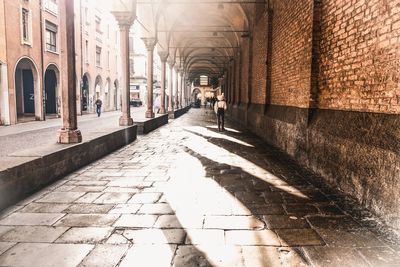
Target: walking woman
{"points": [[220, 108]]}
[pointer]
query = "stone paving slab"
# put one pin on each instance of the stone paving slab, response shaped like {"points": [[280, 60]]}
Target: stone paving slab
{"points": [[186, 195], [45, 254], [105, 255], [28, 234]]}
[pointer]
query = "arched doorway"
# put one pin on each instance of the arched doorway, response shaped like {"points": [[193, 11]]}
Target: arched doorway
{"points": [[85, 92], [26, 83], [98, 87], [196, 97], [116, 85], [107, 92], [50, 87]]}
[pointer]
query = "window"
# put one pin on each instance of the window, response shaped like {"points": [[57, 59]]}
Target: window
{"points": [[51, 5], [98, 56], [25, 25], [131, 45], [131, 67], [98, 25], [108, 59], [51, 37], [87, 51], [204, 80], [87, 15]]}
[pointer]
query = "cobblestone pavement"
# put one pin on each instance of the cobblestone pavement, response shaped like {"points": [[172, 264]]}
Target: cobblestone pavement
{"points": [[186, 195]]}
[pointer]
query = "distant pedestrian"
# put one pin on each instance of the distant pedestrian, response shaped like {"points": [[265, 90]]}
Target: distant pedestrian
{"points": [[220, 108], [98, 104], [213, 101]]}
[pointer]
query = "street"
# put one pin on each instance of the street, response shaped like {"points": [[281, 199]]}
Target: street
{"points": [[41, 133]]}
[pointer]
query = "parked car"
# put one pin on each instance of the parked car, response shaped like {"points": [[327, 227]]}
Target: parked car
{"points": [[136, 103]]}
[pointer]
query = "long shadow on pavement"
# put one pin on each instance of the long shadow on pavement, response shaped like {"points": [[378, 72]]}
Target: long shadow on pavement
{"points": [[303, 214]]}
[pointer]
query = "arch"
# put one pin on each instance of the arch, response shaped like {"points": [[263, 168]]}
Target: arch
{"points": [[98, 86], [27, 89], [116, 94], [196, 90], [107, 94], [51, 85], [85, 92]]}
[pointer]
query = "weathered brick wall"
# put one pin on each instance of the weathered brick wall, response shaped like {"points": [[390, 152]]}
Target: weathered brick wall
{"points": [[258, 92], [350, 140], [291, 52], [359, 59], [244, 71]]}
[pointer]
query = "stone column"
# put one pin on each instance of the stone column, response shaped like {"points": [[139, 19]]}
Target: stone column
{"points": [[163, 57], [170, 102], [221, 84], [232, 82], [176, 88], [238, 77], [181, 89], [150, 43], [69, 132], [125, 119]]}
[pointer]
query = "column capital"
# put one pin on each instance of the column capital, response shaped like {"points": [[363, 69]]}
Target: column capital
{"points": [[171, 63], [149, 42], [163, 55], [124, 19]]}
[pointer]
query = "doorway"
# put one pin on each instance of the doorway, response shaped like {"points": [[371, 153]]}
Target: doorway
{"points": [[50, 87]]}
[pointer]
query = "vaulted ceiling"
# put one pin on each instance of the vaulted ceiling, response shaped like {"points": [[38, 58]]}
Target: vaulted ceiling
{"points": [[200, 35]]}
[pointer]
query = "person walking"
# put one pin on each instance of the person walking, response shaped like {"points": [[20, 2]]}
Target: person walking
{"points": [[98, 104], [220, 108]]}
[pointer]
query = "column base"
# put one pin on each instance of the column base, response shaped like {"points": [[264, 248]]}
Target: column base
{"points": [[149, 114], [69, 136], [162, 110], [170, 109], [125, 121]]}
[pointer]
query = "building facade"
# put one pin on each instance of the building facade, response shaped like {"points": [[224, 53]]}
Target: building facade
{"points": [[98, 51], [3, 67], [33, 52], [33, 38], [138, 67]]}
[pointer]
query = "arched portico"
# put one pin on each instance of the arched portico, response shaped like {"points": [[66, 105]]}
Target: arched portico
{"points": [[51, 85], [85, 92], [27, 90], [116, 95]]}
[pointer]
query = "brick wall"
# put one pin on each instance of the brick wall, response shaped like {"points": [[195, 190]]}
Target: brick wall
{"points": [[359, 59], [352, 49], [291, 52], [259, 58], [244, 71]]}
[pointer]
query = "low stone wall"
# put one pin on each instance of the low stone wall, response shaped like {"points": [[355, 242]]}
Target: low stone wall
{"points": [[149, 125], [356, 152], [177, 113], [34, 170]]}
